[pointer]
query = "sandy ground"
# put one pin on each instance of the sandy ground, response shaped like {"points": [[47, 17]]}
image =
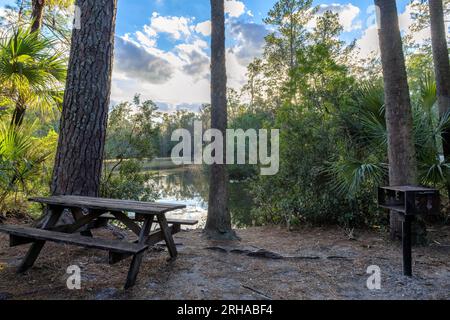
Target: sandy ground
{"points": [[313, 263]]}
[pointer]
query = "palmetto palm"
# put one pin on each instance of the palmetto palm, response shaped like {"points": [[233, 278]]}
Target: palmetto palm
{"points": [[21, 157], [363, 160], [32, 73]]}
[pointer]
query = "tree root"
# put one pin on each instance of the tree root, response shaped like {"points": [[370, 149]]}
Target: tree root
{"points": [[265, 254]]}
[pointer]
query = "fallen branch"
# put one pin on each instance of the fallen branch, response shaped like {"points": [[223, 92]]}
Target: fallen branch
{"points": [[262, 253], [256, 291], [339, 258]]}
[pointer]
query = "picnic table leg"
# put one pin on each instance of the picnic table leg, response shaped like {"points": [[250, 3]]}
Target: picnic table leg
{"points": [[37, 246], [137, 258], [167, 236], [77, 214]]}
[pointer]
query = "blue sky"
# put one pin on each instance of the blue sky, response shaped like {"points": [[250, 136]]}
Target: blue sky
{"points": [[137, 19], [162, 46], [133, 14]]}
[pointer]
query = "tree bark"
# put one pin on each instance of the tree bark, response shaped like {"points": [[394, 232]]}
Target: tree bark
{"points": [[401, 148], [18, 114], [442, 68], [218, 224], [81, 143], [37, 14]]}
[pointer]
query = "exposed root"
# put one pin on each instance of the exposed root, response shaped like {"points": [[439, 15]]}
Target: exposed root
{"points": [[263, 253]]}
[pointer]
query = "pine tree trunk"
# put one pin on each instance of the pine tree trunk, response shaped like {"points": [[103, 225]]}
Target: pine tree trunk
{"points": [[218, 224], [401, 148], [81, 143], [37, 14], [442, 68]]}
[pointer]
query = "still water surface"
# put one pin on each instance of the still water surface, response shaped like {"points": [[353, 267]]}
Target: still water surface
{"points": [[189, 186]]}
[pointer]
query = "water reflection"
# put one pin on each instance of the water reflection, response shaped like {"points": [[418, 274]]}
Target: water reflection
{"points": [[189, 186]]}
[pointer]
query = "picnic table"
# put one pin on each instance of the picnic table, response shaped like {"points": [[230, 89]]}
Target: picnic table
{"points": [[91, 213]]}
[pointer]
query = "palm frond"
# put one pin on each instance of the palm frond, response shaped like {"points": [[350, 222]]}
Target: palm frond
{"points": [[31, 70], [348, 174]]}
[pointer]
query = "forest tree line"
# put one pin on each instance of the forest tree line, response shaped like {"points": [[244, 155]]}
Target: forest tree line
{"points": [[329, 105]]}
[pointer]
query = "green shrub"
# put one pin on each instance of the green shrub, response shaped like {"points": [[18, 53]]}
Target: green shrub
{"points": [[129, 183]]}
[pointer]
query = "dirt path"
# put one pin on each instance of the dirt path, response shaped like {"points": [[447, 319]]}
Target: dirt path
{"points": [[318, 264]]}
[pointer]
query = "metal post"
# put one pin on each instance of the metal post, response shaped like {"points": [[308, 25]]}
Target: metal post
{"points": [[407, 255]]}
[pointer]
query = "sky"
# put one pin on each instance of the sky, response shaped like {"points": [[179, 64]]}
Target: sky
{"points": [[162, 46]]}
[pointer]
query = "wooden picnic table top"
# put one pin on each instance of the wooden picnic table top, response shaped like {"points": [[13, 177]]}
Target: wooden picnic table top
{"points": [[108, 204]]}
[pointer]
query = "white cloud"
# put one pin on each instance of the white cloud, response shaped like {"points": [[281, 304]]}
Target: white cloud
{"points": [[236, 71], [369, 42], [179, 75], [406, 21], [135, 61], [180, 89], [250, 40], [204, 28], [144, 39], [171, 77], [234, 8], [176, 27], [195, 61]]}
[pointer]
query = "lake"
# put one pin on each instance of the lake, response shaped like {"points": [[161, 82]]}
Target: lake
{"points": [[189, 186]]}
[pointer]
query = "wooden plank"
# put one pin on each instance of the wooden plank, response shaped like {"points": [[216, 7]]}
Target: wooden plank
{"points": [[115, 257], [109, 204], [18, 241], [166, 231], [397, 208], [122, 217], [59, 237], [144, 232], [186, 222], [33, 253], [81, 221], [134, 269], [104, 201], [409, 188], [137, 259], [157, 236]]}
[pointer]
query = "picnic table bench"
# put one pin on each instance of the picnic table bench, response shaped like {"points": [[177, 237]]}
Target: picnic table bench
{"points": [[90, 213]]}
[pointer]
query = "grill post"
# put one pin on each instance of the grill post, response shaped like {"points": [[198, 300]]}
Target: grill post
{"points": [[407, 252], [408, 202]]}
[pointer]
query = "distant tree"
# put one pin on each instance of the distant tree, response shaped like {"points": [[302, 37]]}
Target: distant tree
{"points": [[420, 13], [79, 157], [38, 8], [270, 75], [37, 14], [132, 130], [401, 148], [218, 224], [320, 67], [290, 17], [441, 67]]}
